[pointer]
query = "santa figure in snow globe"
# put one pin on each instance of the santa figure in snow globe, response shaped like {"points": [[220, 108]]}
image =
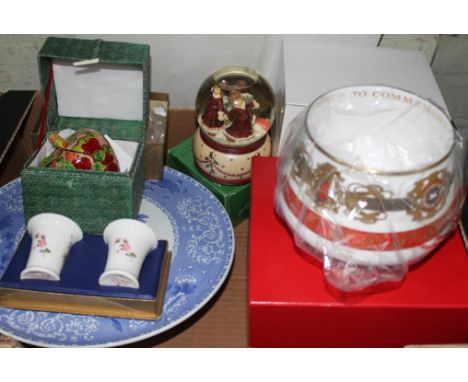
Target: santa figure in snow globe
{"points": [[235, 110], [213, 116]]}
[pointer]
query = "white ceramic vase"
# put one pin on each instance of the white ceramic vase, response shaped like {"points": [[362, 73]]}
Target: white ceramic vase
{"points": [[52, 237], [129, 243]]}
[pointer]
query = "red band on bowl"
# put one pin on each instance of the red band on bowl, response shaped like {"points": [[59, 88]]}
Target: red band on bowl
{"points": [[364, 240]]}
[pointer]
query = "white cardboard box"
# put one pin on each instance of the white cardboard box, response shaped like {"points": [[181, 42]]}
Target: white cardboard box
{"points": [[310, 70]]}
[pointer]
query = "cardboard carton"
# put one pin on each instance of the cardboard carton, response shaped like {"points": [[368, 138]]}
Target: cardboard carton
{"points": [[310, 70]]}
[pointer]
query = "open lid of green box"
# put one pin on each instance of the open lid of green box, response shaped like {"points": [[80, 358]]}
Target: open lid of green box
{"points": [[110, 96]]}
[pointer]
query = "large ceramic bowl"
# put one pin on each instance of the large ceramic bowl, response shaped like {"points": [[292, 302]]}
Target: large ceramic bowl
{"points": [[371, 175]]}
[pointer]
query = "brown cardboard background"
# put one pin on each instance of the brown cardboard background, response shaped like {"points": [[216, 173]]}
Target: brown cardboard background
{"points": [[23, 143]]}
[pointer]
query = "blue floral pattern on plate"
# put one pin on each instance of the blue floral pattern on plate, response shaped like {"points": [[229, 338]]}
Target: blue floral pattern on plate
{"points": [[202, 254]]}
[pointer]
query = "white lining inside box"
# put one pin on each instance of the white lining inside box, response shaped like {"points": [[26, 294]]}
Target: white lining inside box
{"points": [[111, 91], [99, 90]]}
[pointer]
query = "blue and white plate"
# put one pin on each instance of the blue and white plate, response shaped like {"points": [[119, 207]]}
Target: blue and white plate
{"points": [[181, 211]]}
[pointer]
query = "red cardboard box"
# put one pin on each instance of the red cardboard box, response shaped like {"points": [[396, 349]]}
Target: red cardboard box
{"points": [[291, 305]]}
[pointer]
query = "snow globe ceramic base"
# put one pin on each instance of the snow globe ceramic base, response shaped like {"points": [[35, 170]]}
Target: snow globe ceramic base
{"points": [[52, 237], [235, 110], [129, 243]]}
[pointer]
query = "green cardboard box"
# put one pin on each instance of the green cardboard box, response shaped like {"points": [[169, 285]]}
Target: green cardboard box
{"points": [[110, 94], [236, 199]]}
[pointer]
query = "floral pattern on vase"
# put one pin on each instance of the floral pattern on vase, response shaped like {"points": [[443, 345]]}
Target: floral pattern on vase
{"points": [[40, 241], [125, 247]]}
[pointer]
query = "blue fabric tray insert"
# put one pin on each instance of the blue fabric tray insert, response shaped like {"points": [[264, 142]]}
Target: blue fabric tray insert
{"points": [[83, 266]]}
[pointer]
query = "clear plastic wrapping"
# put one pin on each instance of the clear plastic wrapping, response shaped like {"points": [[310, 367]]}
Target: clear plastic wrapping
{"points": [[371, 179]]}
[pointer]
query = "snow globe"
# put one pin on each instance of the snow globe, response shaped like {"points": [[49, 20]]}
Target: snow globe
{"points": [[234, 110]]}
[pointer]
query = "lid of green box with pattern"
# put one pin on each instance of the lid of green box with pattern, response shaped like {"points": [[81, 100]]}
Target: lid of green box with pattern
{"points": [[97, 84]]}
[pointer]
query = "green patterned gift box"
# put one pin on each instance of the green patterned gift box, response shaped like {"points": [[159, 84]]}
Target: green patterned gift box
{"points": [[91, 198]]}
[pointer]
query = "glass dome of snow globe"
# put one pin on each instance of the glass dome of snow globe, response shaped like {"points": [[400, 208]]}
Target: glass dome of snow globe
{"points": [[235, 109]]}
